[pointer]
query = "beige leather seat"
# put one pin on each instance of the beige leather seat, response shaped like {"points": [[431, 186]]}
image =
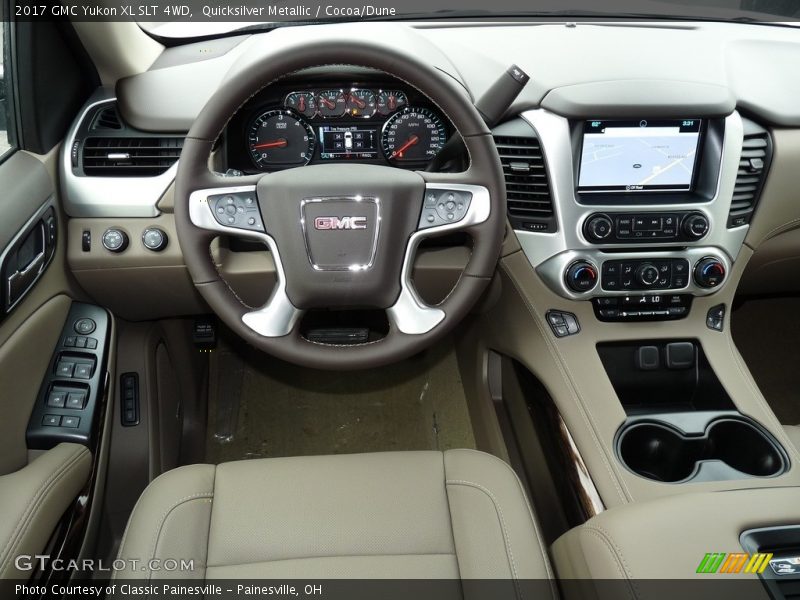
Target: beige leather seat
{"points": [[793, 431], [455, 514]]}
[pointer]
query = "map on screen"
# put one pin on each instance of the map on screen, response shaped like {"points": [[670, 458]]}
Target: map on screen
{"points": [[637, 156]]}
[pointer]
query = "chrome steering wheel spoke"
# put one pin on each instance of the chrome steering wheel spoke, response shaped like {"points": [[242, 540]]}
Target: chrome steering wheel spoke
{"points": [[447, 208], [240, 216]]}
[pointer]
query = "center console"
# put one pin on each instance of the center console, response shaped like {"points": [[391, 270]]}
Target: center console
{"points": [[651, 212]]}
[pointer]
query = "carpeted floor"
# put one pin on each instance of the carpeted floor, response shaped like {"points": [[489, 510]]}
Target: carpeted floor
{"points": [[262, 407], [767, 334]]}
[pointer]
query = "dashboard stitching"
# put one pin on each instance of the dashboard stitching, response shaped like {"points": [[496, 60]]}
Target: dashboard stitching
{"points": [[616, 480]]}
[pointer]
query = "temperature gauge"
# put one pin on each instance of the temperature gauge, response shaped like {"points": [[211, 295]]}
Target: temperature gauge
{"points": [[390, 101], [302, 102]]}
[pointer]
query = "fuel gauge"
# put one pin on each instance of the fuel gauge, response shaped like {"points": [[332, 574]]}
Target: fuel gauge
{"points": [[302, 102], [391, 100]]}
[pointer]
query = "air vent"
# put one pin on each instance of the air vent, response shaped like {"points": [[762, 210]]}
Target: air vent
{"points": [[130, 156], [530, 204], [753, 165], [107, 119]]}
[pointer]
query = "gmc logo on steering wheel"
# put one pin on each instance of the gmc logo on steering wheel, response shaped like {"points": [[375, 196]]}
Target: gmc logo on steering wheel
{"points": [[331, 223]]}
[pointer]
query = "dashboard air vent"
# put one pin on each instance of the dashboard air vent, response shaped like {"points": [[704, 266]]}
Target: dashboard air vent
{"points": [[130, 156], [106, 119], [530, 204], [753, 165]]}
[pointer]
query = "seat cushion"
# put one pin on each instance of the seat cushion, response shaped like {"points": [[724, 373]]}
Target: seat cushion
{"points": [[793, 431], [455, 514]]}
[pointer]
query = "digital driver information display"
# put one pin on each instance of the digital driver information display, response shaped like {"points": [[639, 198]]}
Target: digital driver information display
{"points": [[348, 142], [639, 156]]}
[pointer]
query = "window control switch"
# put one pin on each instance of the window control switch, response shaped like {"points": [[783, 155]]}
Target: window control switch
{"points": [[56, 399], [83, 371], [65, 368], [76, 400]]}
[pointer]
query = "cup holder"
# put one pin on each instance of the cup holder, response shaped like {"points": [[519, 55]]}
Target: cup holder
{"points": [[660, 452]]}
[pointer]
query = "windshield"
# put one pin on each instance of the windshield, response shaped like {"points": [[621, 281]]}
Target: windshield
{"points": [[210, 19]]}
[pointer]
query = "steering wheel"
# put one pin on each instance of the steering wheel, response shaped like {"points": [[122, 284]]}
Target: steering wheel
{"points": [[341, 236]]}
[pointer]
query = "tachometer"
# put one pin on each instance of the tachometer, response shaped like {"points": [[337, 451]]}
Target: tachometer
{"points": [[390, 100], [413, 135], [279, 139], [304, 103], [331, 103]]}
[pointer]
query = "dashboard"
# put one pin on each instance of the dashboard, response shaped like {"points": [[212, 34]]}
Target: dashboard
{"points": [[336, 121]]}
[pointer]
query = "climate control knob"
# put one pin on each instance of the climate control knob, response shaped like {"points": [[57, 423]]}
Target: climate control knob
{"points": [[581, 276], [598, 228], [647, 274], [695, 226], [709, 273]]}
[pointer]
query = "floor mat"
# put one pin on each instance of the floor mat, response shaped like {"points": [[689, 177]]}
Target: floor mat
{"points": [[766, 332], [262, 407]]}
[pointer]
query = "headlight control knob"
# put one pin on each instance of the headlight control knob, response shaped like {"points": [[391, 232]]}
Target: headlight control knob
{"points": [[115, 240], [709, 273], [154, 239], [581, 276]]}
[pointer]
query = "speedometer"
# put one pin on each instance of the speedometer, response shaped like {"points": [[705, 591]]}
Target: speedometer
{"points": [[413, 135], [278, 139]]}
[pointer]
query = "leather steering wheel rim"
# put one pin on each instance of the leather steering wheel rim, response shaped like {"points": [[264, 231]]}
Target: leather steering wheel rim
{"points": [[195, 183]]}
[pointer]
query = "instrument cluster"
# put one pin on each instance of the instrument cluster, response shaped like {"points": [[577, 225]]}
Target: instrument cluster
{"points": [[295, 126]]}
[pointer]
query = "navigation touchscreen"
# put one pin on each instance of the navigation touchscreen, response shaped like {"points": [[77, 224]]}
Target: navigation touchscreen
{"points": [[639, 156]]}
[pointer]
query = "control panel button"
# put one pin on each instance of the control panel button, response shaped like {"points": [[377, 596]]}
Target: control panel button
{"points": [[75, 400], [238, 210], [647, 274], [695, 226], [72, 422], [709, 272], [85, 326], [51, 420], [715, 318], [581, 276], [65, 368], [442, 207], [56, 399], [563, 323], [154, 239], [643, 307], [115, 240], [598, 228]]}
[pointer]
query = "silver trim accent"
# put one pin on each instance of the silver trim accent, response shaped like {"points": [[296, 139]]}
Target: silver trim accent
{"points": [[548, 251], [108, 196], [370, 199], [553, 269], [409, 313], [278, 316], [39, 260]]}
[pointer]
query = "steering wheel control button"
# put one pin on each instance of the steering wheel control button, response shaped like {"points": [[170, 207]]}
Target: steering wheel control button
{"points": [[154, 239], [581, 276], [563, 323], [442, 207], [115, 240], [709, 273], [85, 326], [715, 319], [236, 210]]}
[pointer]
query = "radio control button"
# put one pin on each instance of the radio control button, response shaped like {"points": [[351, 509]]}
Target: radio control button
{"points": [[598, 228]]}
